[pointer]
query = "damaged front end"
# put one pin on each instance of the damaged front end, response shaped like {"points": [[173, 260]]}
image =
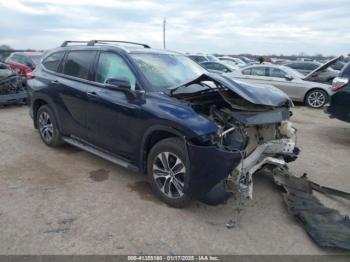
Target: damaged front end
{"points": [[11, 86], [253, 132]]}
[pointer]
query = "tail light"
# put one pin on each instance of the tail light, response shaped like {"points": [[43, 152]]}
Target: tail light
{"points": [[339, 82], [30, 75]]}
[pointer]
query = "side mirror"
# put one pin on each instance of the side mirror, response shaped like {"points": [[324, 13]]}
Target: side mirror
{"points": [[288, 77], [118, 83], [122, 85]]}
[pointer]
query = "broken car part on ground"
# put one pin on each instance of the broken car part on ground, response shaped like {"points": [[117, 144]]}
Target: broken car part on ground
{"points": [[11, 86], [326, 226]]}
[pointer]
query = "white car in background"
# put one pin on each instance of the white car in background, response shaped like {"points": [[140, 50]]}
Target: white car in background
{"points": [[290, 81], [233, 61]]}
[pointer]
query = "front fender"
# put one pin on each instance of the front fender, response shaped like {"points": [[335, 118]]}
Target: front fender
{"points": [[209, 165]]}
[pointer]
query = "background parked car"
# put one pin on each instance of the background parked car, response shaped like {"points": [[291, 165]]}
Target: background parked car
{"points": [[233, 60], [338, 65], [24, 62], [217, 67], [288, 80], [339, 106], [247, 60], [203, 58], [198, 58], [305, 67], [11, 86]]}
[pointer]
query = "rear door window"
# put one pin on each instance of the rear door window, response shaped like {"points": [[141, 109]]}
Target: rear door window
{"points": [[78, 63], [53, 61], [276, 72], [111, 65], [259, 71]]}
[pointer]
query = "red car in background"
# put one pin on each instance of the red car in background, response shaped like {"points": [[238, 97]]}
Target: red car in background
{"points": [[24, 62]]}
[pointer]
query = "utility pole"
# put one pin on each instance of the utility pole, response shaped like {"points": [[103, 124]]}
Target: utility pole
{"points": [[164, 23]]}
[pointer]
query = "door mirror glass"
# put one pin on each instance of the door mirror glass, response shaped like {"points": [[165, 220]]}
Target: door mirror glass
{"points": [[288, 77], [118, 83]]}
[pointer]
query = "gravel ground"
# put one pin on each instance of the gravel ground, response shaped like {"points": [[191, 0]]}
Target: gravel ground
{"points": [[67, 201]]}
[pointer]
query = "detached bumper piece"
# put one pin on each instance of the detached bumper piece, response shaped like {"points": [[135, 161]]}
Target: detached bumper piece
{"points": [[209, 166], [326, 226], [13, 98]]}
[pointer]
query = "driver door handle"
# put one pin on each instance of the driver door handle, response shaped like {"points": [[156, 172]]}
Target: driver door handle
{"points": [[55, 82], [92, 94]]}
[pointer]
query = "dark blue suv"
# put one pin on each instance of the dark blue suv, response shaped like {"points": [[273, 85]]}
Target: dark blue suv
{"points": [[160, 113]]}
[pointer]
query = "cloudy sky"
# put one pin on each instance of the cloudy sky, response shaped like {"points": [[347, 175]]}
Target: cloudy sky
{"points": [[236, 26]]}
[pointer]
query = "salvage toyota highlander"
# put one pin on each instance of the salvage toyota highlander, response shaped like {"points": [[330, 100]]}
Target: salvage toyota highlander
{"points": [[197, 135]]}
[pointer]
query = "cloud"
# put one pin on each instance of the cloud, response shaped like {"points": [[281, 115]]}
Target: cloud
{"points": [[261, 27]]}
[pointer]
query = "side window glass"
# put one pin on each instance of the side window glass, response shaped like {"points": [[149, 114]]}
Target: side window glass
{"points": [[78, 63], [258, 71], [14, 58], [53, 61], [24, 60], [312, 66], [294, 66], [247, 71], [113, 66], [275, 72], [208, 65], [219, 67]]}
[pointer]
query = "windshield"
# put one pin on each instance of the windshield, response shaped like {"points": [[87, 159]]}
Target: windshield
{"points": [[167, 70], [36, 59]]}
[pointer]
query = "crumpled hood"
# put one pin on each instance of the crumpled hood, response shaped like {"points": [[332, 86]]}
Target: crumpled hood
{"points": [[257, 94]]}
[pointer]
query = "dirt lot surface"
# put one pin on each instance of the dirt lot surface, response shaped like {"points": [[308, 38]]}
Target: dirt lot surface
{"points": [[67, 201]]}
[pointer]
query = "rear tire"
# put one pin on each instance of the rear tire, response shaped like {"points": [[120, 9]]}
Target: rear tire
{"points": [[166, 169], [316, 98], [47, 126]]}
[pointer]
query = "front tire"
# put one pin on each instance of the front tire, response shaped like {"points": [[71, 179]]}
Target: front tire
{"points": [[166, 169], [316, 98], [47, 126]]}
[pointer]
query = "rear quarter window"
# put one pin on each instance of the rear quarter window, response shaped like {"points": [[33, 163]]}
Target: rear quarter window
{"points": [[53, 61], [78, 63]]}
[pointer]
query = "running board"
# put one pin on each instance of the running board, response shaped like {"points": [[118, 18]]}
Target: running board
{"points": [[96, 151]]}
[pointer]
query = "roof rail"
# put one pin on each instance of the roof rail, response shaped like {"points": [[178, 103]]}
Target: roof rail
{"points": [[65, 43], [93, 42]]}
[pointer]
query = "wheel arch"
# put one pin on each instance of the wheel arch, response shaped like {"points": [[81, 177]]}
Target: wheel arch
{"points": [[152, 136], [313, 89], [39, 102], [36, 105]]}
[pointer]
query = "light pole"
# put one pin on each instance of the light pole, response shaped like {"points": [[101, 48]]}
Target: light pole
{"points": [[164, 23]]}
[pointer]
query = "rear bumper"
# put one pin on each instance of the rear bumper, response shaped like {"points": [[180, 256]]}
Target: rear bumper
{"points": [[339, 112]]}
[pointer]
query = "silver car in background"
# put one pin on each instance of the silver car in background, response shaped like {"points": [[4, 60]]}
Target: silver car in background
{"points": [[290, 81]]}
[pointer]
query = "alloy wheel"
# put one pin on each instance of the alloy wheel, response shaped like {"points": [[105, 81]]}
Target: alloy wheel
{"points": [[45, 126], [316, 99], [169, 174]]}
